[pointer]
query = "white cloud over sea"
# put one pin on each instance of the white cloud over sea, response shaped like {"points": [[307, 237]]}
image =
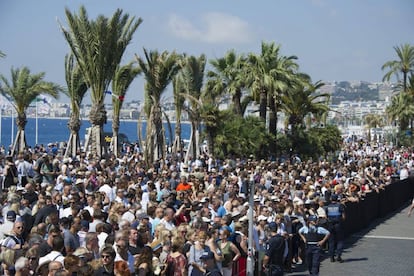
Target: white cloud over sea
{"points": [[214, 27]]}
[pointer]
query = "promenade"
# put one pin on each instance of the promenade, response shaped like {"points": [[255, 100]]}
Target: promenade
{"points": [[385, 247]]}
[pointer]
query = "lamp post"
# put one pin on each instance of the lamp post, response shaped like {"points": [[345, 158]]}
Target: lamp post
{"points": [[250, 251]]}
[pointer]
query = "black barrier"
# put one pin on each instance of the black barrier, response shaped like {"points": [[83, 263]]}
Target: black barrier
{"points": [[377, 205]]}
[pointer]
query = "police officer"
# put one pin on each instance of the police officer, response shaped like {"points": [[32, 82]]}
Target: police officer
{"points": [[314, 237], [274, 249], [335, 212]]}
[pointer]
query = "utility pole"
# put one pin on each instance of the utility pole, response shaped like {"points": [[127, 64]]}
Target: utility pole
{"points": [[250, 250]]}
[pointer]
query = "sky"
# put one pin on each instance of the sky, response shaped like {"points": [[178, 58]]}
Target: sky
{"points": [[334, 40]]}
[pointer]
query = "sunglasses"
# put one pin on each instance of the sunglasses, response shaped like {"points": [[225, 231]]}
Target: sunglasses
{"points": [[106, 256]]}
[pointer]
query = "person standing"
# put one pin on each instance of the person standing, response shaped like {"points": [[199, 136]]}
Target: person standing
{"points": [[314, 237], [10, 174], [274, 251], [24, 168], [229, 251], [335, 212]]}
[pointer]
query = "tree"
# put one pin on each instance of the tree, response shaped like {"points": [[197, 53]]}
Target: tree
{"points": [[76, 91], [159, 70], [192, 77], [373, 121], [404, 64], [98, 46], [241, 136], [179, 99], [267, 74], [124, 75], [401, 109], [2, 54], [21, 91], [302, 100], [228, 77]]}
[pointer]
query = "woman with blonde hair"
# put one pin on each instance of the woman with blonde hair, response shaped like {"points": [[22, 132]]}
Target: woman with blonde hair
{"points": [[33, 256], [194, 254], [7, 259]]}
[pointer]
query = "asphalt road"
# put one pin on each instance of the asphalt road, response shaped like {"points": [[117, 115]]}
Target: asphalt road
{"points": [[385, 248]]}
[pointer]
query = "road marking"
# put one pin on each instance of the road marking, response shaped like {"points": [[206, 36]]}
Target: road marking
{"points": [[384, 237]]}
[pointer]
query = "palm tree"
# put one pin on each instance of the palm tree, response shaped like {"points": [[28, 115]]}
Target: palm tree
{"points": [[401, 109], [123, 78], [268, 74], [210, 114], [192, 74], [373, 121], [76, 91], [159, 70], [229, 78], [302, 100], [179, 99], [98, 46], [404, 64], [21, 91]]}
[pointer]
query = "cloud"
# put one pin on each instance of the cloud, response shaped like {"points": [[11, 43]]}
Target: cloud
{"points": [[214, 28]]}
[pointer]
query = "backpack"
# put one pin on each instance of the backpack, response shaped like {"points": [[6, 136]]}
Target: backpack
{"points": [[3, 242]]}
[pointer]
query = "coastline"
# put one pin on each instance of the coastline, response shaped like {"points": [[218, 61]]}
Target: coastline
{"points": [[85, 119]]}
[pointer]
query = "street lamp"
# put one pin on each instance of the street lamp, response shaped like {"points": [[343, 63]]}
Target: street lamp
{"points": [[250, 251]]}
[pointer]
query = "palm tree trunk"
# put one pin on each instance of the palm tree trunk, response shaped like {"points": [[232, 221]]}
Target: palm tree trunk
{"points": [[74, 142], [190, 146], [193, 140], [115, 132], [177, 141], [237, 108], [170, 138], [273, 123], [159, 135], [97, 117], [149, 142], [19, 144], [263, 105]]}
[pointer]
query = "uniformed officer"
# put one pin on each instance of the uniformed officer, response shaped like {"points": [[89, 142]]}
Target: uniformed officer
{"points": [[314, 237], [274, 249], [335, 212]]}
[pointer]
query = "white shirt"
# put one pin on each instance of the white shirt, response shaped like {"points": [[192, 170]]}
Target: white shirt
{"points": [[5, 228], [404, 173], [52, 256], [168, 225], [128, 216]]}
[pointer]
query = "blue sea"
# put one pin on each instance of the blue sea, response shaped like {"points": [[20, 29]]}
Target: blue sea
{"points": [[56, 130]]}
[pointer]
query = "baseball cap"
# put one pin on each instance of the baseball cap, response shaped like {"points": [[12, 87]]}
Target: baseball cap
{"points": [[334, 197], [11, 215], [207, 255], [312, 218]]}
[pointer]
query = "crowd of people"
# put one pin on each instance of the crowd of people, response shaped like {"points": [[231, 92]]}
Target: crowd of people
{"points": [[116, 216]]}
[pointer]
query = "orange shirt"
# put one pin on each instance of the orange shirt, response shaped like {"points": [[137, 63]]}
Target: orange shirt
{"points": [[183, 187]]}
